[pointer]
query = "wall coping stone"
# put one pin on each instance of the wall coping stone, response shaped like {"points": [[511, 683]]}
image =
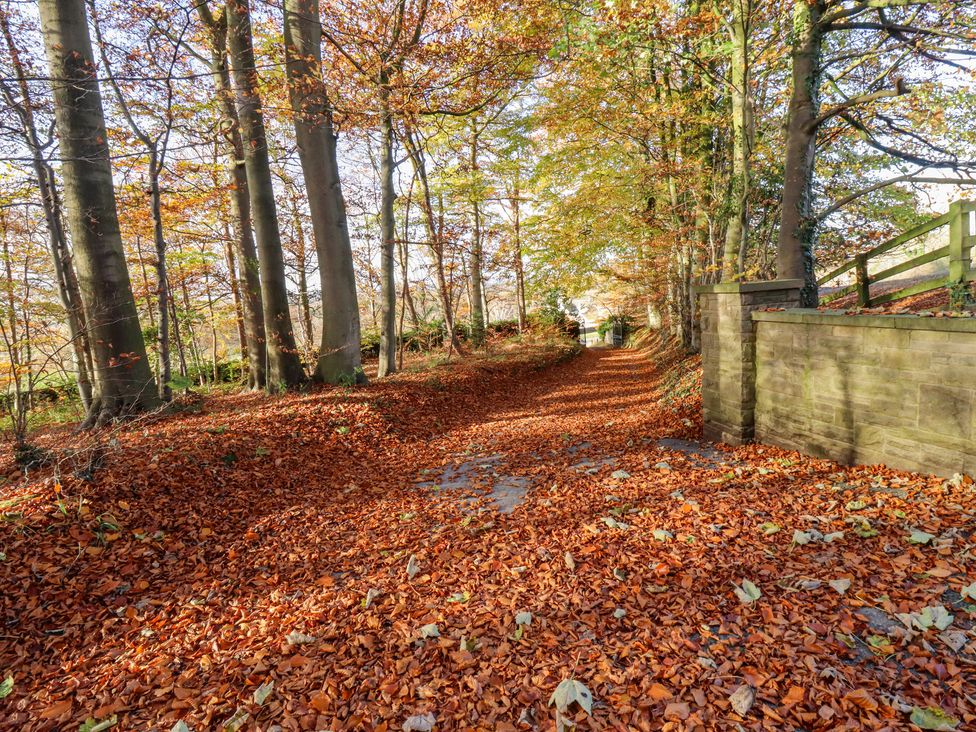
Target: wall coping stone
{"points": [[902, 322], [730, 288]]}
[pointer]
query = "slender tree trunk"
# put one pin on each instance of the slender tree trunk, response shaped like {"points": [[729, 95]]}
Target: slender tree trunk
{"points": [[213, 327], [178, 338], [125, 384], [304, 306], [797, 231], [477, 296], [387, 363], [284, 368], [162, 288], [435, 234], [519, 266], [737, 232], [340, 357], [253, 343], [235, 289]]}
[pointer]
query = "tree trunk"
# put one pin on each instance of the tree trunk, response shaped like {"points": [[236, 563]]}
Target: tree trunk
{"points": [[235, 289], [284, 368], [435, 234], [387, 363], [519, 266], [797, 231], [737, 232], [477, 296], [125, 384], [51, 202], [304, 306], [340, 357], [255, 350], [162, 287]]}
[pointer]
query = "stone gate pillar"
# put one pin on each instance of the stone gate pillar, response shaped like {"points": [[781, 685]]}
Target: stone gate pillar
{"points": [[728, 348]]}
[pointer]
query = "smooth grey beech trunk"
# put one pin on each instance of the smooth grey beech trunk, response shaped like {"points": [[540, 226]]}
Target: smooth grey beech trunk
{"points": [[797, 231], [253, 342], [284, 367], [340, 359], [64, 271], [124, 383]]}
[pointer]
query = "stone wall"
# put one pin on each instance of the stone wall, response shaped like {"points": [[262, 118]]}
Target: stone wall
{"points": [[892, 389], [728, 352]]}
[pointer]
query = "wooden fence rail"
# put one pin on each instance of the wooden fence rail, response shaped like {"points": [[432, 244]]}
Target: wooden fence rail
{"points": [[962, 239]]}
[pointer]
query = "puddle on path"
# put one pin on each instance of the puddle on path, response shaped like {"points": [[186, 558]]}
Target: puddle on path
{"points": [[702, 456], [506, 492]]}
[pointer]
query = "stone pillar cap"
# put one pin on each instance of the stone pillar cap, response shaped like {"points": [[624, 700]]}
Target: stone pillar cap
{"points": [[731, 288]]}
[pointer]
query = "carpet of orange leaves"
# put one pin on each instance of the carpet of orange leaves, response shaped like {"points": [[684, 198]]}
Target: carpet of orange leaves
{"points": [[172, 586]]}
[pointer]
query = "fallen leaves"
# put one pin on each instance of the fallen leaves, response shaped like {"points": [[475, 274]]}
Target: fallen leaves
{"points": [[349, 548]]}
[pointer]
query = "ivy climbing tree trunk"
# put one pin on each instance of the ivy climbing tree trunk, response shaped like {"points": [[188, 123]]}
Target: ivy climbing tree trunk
{"points": [[797, 231], [284, 368], [340, 359], [125, 384]]}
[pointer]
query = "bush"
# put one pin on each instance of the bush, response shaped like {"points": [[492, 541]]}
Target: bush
{"points": [[503, 328], [370, 343]]}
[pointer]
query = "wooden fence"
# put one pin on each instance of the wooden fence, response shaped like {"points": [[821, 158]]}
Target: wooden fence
{"points": [[962, 238]]}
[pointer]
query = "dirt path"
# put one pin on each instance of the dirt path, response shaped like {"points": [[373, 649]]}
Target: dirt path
{"points": [[368, 551]]}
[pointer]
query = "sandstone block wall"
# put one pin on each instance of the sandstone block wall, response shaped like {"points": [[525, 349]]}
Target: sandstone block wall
{"points": [[892, 389], [728, 352]]}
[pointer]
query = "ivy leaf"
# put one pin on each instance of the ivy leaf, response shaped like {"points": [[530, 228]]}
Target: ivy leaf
{"points": [[371, 594], [747, 593], [917, 536], [933, 718], [570, 692], [93, 725], [840, 585], [420, 723], [299, 639], [7, 686], [742, 699], [262, 693], [413, 566], [236, 721], [801, 537]]}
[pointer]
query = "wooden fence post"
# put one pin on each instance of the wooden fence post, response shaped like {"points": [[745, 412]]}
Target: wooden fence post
{"points": [[961, 240], [863, 286]]}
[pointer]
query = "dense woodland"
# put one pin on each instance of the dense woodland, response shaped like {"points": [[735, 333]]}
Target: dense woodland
{"points": [[267, 193]]}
